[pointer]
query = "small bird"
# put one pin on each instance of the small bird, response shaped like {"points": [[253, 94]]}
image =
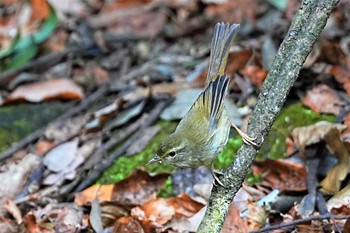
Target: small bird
{"points": [[203, 132]]}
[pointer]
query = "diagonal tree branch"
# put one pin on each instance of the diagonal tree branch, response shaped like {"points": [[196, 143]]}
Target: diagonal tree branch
{"points": [[303, 33]]}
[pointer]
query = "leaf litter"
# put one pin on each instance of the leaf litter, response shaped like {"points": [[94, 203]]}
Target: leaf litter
{"points": [[130, 56]]}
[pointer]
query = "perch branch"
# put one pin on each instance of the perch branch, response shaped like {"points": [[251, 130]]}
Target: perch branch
{"points": [[303, 33]]}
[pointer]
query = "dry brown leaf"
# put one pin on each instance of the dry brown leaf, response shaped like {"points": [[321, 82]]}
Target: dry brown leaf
{"points": [[238, 60], [312, 134], [102, 192], [234, 222], [32, 227], [255, 74], [281, 175], [43, 146], [323, 99], [233, 11], [121, 4], [46, 90], [138, 188], [339, 203], [14, 176], [111, 211], [40, 9], [154, 213], [11, 207], [184, 205], [142, 24], [257, 215], [330, 134], [126, 225], [63, 217]]}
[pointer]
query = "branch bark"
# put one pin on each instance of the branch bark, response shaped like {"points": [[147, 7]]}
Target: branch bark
{"points": [[301, 36]]}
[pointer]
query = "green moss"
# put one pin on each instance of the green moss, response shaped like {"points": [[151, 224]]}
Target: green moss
{"points": [[229, 152], [274, 147], [17, 121], [292, 116], [125, 165], [167, 189], [254, 179]]}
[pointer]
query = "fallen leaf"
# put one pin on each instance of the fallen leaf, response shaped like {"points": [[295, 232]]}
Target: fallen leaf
{"points": [[40, 9], [184, 224], [154, 213], [312, 134], [32, 227], [63, 217], [257, 215], [330, 134], [8, 225], [111, 211], [102, 192], [47, 90], [121, 4], [233, 11], [43, 146], [281, 174], [184, 205], [234, 222], [126, 225], [255, 74], [11, 207], [147, 24], [96, 216], [61, 156], [14, 176], [323, 99], [346, 133], [138, 188], [237, 60], [61, 131], [339, 203]]}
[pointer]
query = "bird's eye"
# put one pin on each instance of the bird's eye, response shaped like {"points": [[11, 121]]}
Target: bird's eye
{"points": [[172, 153]]}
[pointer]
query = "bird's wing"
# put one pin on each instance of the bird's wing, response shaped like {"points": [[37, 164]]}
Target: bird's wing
{"points": [[219, 49], [210, 103]]}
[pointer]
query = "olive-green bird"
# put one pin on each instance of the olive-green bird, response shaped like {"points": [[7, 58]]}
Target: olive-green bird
{"points": [[203, 132]]}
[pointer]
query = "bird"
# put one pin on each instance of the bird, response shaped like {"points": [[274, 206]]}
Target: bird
{"points": [[203, 132]]}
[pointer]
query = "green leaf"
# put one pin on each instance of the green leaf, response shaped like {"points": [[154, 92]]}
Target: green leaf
{"points": [[20, 59], [23, 50]]}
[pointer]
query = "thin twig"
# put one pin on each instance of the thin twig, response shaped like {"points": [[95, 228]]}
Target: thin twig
{"points": [[299, 221], [106, 163]]}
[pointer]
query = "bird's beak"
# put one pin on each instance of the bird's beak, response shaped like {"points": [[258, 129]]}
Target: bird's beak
{"points": [[155, 159]]}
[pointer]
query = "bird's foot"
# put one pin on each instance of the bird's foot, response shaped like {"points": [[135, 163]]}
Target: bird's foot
{"points": [[214, 173], [246, 139]]}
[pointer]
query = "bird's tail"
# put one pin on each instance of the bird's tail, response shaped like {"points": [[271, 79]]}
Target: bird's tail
{"points": [[220, 46]]}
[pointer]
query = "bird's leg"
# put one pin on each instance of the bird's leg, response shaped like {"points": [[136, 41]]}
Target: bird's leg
{"points": [[245, 137], [213, 173]]}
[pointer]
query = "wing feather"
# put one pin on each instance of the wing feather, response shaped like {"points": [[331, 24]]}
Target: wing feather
{"points": [[211, 101]]}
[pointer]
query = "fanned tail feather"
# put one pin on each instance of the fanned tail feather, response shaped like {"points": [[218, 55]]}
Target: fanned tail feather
{"points": [[220, 46]]}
